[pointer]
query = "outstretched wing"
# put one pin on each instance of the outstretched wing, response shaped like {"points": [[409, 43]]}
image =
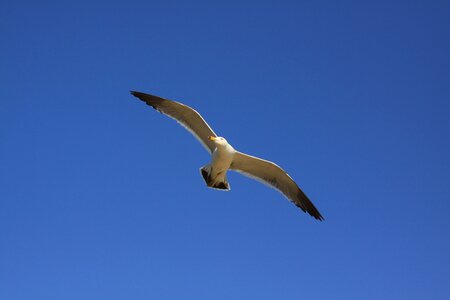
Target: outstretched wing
{"points": [[274, 176], [183, 114]]}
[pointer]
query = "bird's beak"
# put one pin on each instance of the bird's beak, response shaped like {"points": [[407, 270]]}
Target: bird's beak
{"points": [[211, 138]]}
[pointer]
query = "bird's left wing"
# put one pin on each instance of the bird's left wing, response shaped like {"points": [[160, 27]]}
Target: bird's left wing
{"points": [[269, 173], [183, 114]]}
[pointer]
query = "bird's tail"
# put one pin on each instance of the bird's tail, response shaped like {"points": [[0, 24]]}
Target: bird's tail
{"points": [[219, 182]]}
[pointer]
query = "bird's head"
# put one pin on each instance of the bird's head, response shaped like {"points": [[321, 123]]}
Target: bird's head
{"points": [[218, 140]]}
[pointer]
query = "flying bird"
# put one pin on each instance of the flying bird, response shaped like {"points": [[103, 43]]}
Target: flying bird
{"points": [[224, 157]]}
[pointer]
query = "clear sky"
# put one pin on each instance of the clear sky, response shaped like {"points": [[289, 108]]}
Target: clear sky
{"points": [[101, 196]]}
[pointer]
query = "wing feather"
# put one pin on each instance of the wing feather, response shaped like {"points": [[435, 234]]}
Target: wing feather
{"points": [[272, 175], [188, 117]]}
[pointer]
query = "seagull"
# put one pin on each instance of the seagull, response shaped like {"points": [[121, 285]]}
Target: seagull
{"points": [[224, 157]]}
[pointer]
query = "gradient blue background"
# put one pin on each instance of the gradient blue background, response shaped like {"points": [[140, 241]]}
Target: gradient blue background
{"points": [[101, 198]]}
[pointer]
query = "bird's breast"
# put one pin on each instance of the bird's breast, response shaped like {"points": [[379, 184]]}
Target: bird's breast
{"points": [[222, 158]]}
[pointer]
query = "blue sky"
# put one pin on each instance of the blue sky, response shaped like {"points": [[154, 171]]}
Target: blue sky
{"points": [[101, 198]]}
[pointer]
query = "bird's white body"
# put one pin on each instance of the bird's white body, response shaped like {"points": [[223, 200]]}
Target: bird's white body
{"points": [[215, 173], [221, 160]]}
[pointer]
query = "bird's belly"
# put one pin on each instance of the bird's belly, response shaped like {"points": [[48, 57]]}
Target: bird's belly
{"points": [[221, 161]]}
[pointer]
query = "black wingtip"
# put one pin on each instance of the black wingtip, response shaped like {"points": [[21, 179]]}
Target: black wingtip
{"points": [[146, 97], [143, 97], [307, 206], [151, 100], [312, 211], [315, 214]]}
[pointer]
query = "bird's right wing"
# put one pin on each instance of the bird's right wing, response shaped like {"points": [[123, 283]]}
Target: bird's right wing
{"points": [[269, 173], [183, 114]]}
